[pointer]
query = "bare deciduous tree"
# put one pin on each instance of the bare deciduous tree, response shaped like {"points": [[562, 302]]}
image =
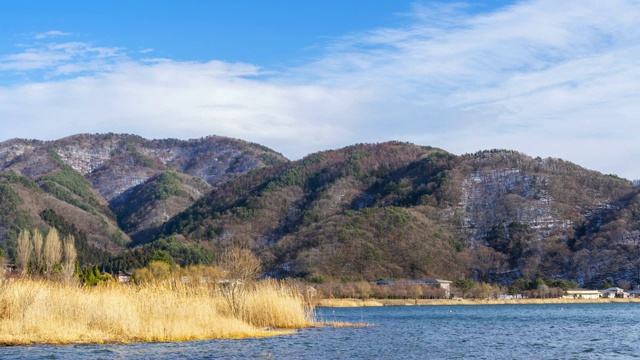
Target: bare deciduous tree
{"points": [[70, 257], [240, 264], [37, 240], [52, 252], [240, 269], [624, 284], [3, 269], [25, 248]]}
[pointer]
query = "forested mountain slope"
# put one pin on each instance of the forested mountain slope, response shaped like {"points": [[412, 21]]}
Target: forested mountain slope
{"points": [[397, 210], [112, 187]]}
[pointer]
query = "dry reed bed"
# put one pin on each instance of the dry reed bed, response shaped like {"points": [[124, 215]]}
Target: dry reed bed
{"points": [[348, 303], [45, 312]]}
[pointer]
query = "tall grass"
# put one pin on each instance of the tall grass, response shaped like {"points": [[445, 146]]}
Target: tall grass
{"points": [[47, 312], [273, 304]]}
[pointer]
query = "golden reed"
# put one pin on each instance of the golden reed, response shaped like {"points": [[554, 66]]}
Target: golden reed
{"points": [[54, 313]]}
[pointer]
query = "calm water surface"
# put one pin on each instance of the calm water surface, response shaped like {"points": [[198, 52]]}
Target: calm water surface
{"points": [[559, 331]]}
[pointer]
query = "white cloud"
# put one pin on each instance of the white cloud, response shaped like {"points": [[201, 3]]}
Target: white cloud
{"points": [[545, 77], [177, 99]]}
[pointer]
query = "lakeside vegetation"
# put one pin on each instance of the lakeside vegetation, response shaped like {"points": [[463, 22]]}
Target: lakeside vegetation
{"points": [[40, 311], [50, 300]]}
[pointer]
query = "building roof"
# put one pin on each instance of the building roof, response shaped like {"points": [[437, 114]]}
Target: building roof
{"points": [[616, 289], [582, 291]]}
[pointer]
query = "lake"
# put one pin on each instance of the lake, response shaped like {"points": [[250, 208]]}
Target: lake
{"points": [[554, 331]]}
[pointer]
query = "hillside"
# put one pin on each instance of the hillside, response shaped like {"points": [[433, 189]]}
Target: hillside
{"points": [[367, 211], [113, 188], [397, 210]]}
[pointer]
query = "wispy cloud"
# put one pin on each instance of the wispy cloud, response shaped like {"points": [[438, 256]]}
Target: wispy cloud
{"points": [[545, 77], [50, 34], [62, 58]]}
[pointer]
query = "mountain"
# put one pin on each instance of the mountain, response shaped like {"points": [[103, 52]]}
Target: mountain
{"points": [[367, 211], [113, 188], [397, 210]]}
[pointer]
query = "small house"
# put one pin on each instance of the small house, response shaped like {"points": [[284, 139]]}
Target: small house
{"points": [[634, 293], [443, 284], [612, 292], [123, 277], [10, 268], [435, 283]]}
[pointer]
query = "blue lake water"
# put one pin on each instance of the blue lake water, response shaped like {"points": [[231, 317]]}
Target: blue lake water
{"points": [[558, 331]]}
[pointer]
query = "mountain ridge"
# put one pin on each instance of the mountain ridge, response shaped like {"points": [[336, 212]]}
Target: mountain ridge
{"points": [[384, 210], [95, 173]]}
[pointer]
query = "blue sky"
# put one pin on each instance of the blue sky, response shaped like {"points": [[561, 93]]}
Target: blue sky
{"points": [[544, 77]]}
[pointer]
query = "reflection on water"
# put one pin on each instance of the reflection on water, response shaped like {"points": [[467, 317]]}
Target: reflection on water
{"points": [[574, 331]]}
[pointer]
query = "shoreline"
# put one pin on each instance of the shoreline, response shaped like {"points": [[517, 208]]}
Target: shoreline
{"points": [[346, 303]]}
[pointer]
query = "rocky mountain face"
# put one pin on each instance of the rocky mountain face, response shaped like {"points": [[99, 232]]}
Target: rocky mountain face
{"points": [[116, 163], [96, 181], [367, 211]]}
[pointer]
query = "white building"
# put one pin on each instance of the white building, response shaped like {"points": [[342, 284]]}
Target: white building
{"points": [[581, 294], [612, 292]]}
